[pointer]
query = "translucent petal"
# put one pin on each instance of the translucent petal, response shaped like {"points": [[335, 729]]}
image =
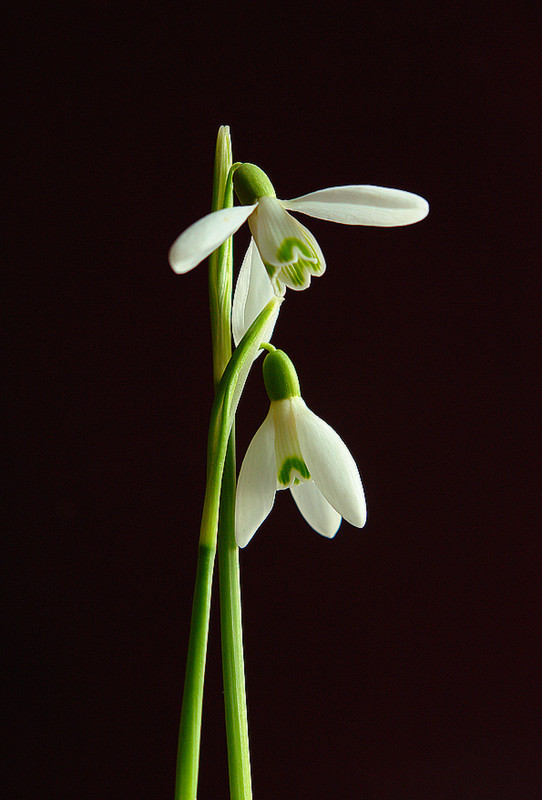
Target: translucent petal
{"points": [[315, 508], [204, 236], [362, 205], [257, 483], [252, 354], [252, 293], [331, 465]]}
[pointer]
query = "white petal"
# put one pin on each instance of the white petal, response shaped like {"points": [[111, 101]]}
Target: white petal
{"points": [[331, 465], [362, 205], [257, 483], [315, 508], [204, 236], [252, 293]]}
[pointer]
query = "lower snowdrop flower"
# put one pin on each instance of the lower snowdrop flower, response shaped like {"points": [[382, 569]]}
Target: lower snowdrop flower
{"points": [[289, 252], [294, 449]]}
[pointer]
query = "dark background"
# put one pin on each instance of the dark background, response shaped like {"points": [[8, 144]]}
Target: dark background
{"points": [[390, 663]]}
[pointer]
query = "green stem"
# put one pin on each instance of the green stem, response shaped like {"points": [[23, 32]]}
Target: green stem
{"points": [[232, 374], [220, 262], [223, 412], [222, 415], [220, 283], [219, 296], [232, 639], [190, 725]]}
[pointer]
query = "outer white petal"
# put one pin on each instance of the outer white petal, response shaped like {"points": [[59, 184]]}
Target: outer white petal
{"points": [[315, 508], [362, 205], [200, 239], [257, 483], [252, 293], [331, 465]]}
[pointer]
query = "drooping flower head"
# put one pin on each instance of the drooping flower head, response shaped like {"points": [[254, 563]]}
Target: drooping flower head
{"points": [[285, 250], [294, 449], [289, 251]]}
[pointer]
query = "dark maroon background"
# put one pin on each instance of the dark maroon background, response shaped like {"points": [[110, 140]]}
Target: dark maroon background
{"points": [[390, 663]]}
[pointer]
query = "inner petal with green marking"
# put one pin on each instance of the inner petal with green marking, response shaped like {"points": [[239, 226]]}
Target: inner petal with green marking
{"points": [[295, 465], [300, 261], [293, 249], [289, 250], [291, 466]]}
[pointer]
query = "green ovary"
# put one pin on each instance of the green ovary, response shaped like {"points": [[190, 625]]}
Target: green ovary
{"points": [[292, 462]]}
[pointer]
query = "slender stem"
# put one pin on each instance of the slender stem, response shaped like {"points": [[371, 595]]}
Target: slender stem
{"points": [[232, 639], [190, 726], [223, 411], [232, 374], [228, 552], [220, 262]]}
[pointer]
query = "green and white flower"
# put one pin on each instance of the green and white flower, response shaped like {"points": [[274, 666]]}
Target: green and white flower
{"points": [[288, 250], [294, 449]]}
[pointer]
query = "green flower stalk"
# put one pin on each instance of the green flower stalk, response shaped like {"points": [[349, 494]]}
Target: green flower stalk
{"points": [[230, 375], [224, 407]]}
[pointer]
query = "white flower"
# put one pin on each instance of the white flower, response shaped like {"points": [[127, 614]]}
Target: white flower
{"points": [[294, 449], [288, 251]]}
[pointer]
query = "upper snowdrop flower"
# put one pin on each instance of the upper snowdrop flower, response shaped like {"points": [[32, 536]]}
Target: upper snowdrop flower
{"points": [[294, 449], [288, 250]]}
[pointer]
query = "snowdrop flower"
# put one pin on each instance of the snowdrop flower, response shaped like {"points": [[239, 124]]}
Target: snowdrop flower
{"points": [[288, 251], [294, 449]]}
